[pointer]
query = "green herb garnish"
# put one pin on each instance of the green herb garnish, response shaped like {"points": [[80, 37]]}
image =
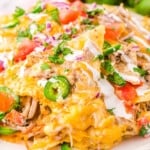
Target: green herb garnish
{"points": [[106, 45], [37, 8], [94, 12], [59, 52], [148, 50], [55, 15], [140, 71], [116, 79], [11, 24], [18, 12], [65, 146], [111, 111], [56, 59], [86, 21], [108, 66], [111, 50], [45, 66]]}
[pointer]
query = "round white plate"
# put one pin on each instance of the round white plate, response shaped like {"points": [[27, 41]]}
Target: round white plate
{"points": [[137, 143]]}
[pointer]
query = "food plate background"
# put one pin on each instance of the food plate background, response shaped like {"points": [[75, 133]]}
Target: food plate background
{"points": [[137, 143]]}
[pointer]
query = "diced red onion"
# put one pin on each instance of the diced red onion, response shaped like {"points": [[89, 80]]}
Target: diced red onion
{"points": [[135, 48], [61, 5], [2, 66], [97, 95], [79, 57], [48, 25], [39, 49]]}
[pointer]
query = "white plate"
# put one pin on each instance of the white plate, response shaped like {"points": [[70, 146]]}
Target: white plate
{"points": [[137, 143]]}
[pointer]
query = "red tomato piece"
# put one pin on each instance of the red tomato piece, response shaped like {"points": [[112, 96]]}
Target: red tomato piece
{"points": [[78, 5], [6, 102], [142, 121], [15, 117], [126, 92], [71, 14], [2, 68], [113, 31], [68, 15], [25, 48]]}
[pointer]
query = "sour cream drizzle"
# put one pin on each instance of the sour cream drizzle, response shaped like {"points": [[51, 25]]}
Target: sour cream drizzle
{"points": [[110, 99]]}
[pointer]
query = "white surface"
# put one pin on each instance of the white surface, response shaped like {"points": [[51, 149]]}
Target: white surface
{"points": [[134, 144]]}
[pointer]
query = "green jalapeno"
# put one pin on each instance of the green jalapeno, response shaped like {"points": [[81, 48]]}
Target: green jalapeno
{"points": [[57, 87], [6, 131]]}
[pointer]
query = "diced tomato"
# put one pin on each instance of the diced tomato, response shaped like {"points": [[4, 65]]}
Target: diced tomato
{"points": [[2, 68], [15, 117], [78, 5], [71, 14], [6, 102], [113, 31], [68, 15], [142, 121], [25, 48], [126, 92]]}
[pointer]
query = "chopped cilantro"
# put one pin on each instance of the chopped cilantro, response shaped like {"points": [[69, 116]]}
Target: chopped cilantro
{"points": [[130, 40], [111, 111], [24, 34], [65, 146], [11, 24], [116, 79], [108, 66], [45, 66], [37, 8], [140, 71], [86, 21], [65, 36], [100, 57], [143, 131], [66, 51], [2, 115], [73, 31], [111, 50], [148, 50], [41, 27], [106, 45], [18, 12], [94, 12], [56, 59], [59, 52], [55, 15]]}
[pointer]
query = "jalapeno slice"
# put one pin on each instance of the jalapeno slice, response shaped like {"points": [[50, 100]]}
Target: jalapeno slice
{"points": [[6, 131], [57, 87]]}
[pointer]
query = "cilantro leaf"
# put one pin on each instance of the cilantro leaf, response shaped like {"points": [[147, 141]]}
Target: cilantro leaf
{"points": [[56, 59], [106, 45], [116, 79], [65, 146], [11, 24], [108, 66], [45, 66], [18, 12], [55, 15], [143, 131], [94, 12], [140, 71], [37, 8], [111, 50], [111, 111]]}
